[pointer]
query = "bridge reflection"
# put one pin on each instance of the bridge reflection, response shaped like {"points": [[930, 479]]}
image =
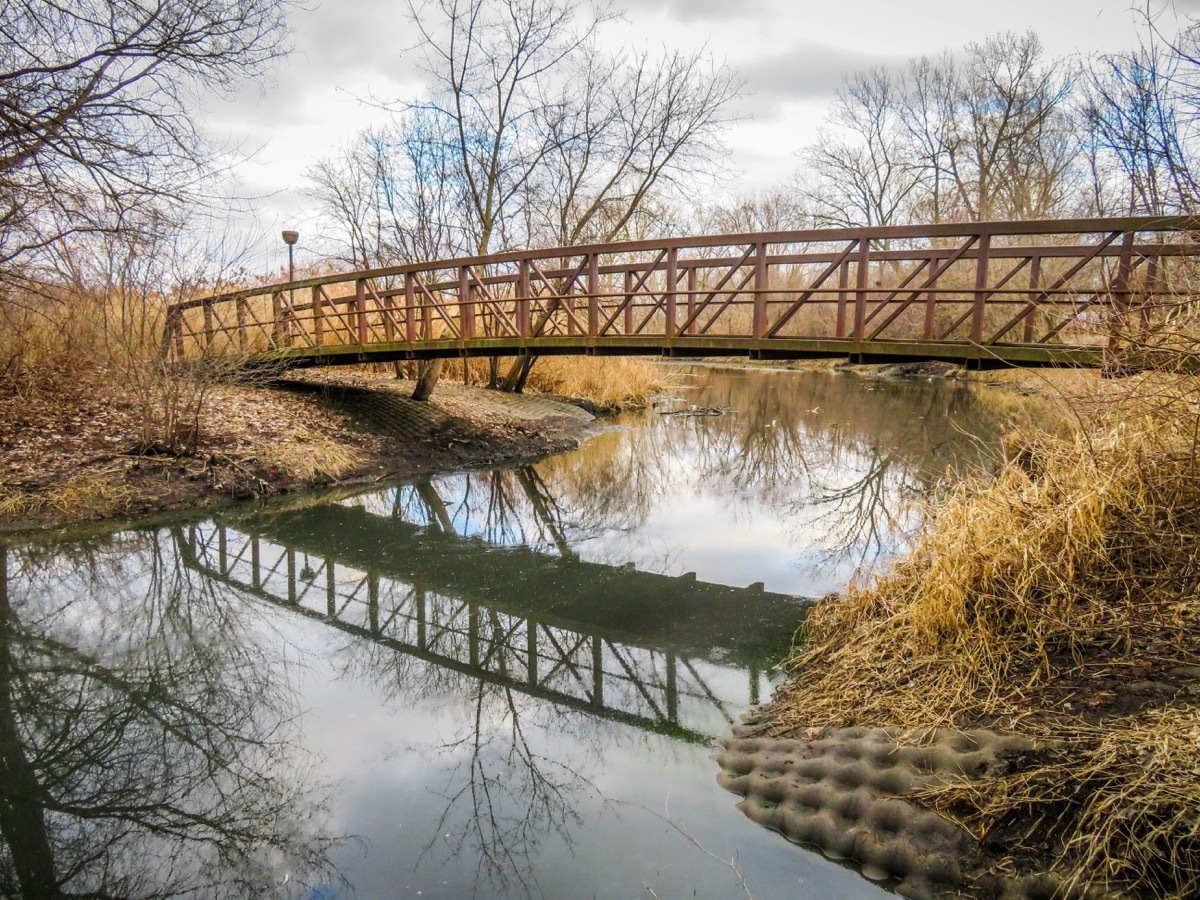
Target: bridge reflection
{"points": [[652, 651]]}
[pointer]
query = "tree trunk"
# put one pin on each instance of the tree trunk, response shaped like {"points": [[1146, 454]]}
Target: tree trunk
{"points": [[518, 374], [427, 378]]}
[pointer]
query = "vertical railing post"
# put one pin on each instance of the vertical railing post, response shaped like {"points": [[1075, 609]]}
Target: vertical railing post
{"points": [[691, 300], [671, 295], [241, 322], [373, 601], [387, 310], [360, 310], [318, 312], [862, 282], [980, 295], [1035, 277], [1120, 291], [473, 634], [593, 288], [628, 316], [410, 313], [426, 317], [422, 617], [276, 317], [931, 298], [524, 319], [466, 305], [759, 315], [209, 336], [255, 562], [222, 551], [843, 284]]}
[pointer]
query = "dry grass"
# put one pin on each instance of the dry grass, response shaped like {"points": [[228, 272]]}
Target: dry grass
{"points": [[1083, 553], [93, 489], [307, 458], [1123, 805], [615, 382]]}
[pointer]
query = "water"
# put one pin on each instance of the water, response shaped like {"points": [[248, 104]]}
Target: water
{"points": [[499, 683]]}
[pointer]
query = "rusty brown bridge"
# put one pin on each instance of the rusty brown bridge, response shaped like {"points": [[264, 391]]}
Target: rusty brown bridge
{"points": [[1072, 292]]}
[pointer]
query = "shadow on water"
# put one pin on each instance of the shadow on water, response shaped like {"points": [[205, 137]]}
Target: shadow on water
{"points": [[522, 664]]}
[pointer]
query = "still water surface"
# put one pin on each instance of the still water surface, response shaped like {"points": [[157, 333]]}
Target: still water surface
{"points": [[495, 683]]}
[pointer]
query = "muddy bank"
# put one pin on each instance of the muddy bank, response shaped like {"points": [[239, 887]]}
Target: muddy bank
{"points": [[75, 452]]}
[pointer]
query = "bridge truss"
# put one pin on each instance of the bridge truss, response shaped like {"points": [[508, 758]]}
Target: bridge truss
{"points": [[1063, 292]]}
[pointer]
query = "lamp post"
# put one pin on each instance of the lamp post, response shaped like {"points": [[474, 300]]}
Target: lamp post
{"points": [[290, 238]]}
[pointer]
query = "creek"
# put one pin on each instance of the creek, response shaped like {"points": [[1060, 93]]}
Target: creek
{"points": [[491, 683]]}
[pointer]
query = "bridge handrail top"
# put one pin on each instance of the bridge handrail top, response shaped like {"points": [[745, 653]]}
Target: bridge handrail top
{"points": [[1016, 228]]}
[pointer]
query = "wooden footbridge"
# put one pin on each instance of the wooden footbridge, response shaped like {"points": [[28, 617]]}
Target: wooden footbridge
{"points": [[1076, 292]]}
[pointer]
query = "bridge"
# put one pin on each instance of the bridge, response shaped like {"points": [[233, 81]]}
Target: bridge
{"points": [[634, 647], [1075, 292]]}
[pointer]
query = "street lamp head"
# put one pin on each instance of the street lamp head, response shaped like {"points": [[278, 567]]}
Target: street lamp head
{"points": [[290, 237]]}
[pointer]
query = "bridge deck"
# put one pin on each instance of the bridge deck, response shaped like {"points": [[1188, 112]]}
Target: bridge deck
{"points": [[1077, 292]]}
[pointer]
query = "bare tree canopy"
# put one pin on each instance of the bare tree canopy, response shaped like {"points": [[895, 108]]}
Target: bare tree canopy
{"points": [[529, 135], [95, 106]]}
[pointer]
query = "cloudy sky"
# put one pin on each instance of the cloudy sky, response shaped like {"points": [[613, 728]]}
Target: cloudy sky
{"points": [[791, 54]]}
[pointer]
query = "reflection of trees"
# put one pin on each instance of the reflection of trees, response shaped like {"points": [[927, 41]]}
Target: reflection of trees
{"points": [[504, 798], [835, 450], [142, 735]]}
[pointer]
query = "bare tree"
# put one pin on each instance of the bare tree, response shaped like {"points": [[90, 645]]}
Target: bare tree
{"points": [[534, 136], [1009, 146], [1137, 121], [867, 171], [94, 99], [779, 209], [985, 136]]}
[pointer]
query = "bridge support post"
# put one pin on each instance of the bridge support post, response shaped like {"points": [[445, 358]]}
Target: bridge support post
{"points": [[531, 651], [597, 671], [691, 300], [628, 316], [931, 298]]}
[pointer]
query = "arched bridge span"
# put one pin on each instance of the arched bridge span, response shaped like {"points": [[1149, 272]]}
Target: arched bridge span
{"points": [[1082, 292]]}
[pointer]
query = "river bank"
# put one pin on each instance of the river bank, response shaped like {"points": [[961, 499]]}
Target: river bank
{"points": [[1053, 608], [73, 450]]}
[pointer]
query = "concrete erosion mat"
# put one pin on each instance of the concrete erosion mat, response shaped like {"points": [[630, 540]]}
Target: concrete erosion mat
{"points": [[841, 792]]}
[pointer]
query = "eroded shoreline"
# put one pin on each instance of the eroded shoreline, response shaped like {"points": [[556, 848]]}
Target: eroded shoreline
{"points": [[73, 457]]}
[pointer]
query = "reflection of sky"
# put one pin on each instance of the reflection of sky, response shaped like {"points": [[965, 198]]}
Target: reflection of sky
{"points": [[637, 797]]}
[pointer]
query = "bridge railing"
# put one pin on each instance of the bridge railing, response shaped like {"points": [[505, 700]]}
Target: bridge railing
{"points": [[1078, 283]]}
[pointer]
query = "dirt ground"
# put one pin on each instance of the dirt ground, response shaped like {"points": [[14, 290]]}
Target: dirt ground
{"points": [[70, 454]]}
